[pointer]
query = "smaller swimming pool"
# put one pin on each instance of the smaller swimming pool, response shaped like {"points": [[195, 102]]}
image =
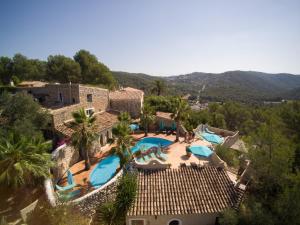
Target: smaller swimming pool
{"points": [[150, 142], [213, 138], [200, 150], [104, 171]]}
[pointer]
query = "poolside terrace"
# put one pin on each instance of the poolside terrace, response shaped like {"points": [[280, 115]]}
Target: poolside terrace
{"points": [[176, 156], [176, 153]]}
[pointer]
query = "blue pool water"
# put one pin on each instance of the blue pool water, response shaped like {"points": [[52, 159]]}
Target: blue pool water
{"points": [[199, 150], [149, 142], [104, 171], [213, 138]]}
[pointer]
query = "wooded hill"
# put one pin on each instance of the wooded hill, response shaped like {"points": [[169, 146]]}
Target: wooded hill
{"points": [[242, 86]]}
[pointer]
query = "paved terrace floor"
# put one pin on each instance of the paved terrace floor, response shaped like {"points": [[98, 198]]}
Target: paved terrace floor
{"points": [[176, 153]]}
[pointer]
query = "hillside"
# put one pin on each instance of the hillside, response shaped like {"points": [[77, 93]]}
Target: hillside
{"points": [[236, 85], [136, 80]]}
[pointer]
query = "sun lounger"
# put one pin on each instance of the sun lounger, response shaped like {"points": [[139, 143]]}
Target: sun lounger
{"points": [[71, 183], [161, 155], [141, 160], [69, 195], [146, 158], [208, 131], [152, 155]]}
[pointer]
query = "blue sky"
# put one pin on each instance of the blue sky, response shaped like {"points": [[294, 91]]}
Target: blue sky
{"points": [[158, 37]]}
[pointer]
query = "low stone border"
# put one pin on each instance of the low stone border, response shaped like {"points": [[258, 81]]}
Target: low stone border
{"points": [[88, 203], [49, 189]]}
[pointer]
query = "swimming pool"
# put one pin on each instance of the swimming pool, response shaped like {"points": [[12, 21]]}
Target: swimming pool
{"points": [[149, 142], [200, 150], [213, 138], [104, 171]]}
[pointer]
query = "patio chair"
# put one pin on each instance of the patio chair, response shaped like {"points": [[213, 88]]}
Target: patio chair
{"points": [[71, 183]]}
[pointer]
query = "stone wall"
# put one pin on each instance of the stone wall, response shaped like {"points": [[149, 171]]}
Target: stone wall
{"points": [[216, 161], [100, 98], [64, 159], [100, 102], [61, 94], [221, 132], [88, 203], [230, 140], [132, 106], [67, 156], [153, 164]]}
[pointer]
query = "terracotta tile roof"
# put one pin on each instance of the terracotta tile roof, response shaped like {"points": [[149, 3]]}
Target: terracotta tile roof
{"points": [[164, 115], [186, 190], [126, 93], [103, 121]]}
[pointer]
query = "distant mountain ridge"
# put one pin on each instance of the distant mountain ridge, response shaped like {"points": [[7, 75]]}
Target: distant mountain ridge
{"points": [[235, 85]]}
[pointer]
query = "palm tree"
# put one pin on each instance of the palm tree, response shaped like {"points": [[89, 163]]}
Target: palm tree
{"points": [[147, 117], [84, 134], [23, 160], [180, 113], [123, 143], [158, 87], [124, 117]]}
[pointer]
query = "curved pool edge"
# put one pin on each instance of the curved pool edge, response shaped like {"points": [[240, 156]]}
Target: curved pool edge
{"points": [[114, 166], [111, 181], [140, 142]]}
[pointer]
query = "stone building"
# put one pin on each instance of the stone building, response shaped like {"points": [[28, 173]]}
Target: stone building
{"points": [[189, 195], [127, 99], [63, 99]]}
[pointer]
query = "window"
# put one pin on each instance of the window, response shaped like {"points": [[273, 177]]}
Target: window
{"points": [[89, 97], [174, 222], [137, 222], [89, 112]]}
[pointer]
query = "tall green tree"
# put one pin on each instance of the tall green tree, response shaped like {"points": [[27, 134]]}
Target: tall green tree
{"points": [[20, 114], [28, 69], [147, 117], [93, 71], [6, 70], [159, 87], [63, 69], [179, 114], [23, 161], [84, 134]]}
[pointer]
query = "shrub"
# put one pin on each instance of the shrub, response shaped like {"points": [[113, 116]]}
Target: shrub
{"points": [[114, 213], [228, 155]]}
